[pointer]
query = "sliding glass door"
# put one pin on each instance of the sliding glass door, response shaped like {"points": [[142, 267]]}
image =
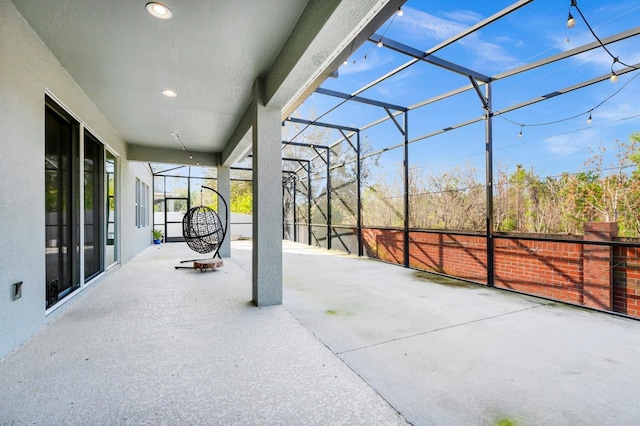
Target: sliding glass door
{"points": [[93, 206], [110, 247], [61, 205], [80, 205]]}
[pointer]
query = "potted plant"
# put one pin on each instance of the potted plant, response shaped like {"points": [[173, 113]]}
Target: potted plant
{"points": [[157, 236]]}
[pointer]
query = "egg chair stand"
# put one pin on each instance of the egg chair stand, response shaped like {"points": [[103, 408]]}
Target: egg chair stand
{"points": [[204, 232]]}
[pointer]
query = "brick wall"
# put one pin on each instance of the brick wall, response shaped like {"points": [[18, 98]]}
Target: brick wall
{"points": [[543, 268], [626, 280], [462, 256], [587, 274], [384, 244]]}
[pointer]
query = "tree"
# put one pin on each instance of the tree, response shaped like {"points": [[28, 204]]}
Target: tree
{"points": [[606, 192], [452, 199], [241, 197]]}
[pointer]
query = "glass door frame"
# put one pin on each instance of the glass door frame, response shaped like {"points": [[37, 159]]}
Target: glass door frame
{"points": [[116, 207], [179, 238], [75, 206]]}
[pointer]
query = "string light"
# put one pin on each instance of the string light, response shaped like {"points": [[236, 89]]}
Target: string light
{"points": [[614, 76], [561, 120], [184, 147], [571, 22], [379, 43], [520, 134]]}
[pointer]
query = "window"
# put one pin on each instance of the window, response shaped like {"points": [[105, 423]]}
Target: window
{"points": [[142, 204], [138, 203], [145, 205]]}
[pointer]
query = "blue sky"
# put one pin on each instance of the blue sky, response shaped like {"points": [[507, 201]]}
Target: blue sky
{"points": [[535, 31]]}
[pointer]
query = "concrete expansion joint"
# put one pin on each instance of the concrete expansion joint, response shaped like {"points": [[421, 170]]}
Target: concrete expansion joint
{"points": [[442, 329], [320, 341]]}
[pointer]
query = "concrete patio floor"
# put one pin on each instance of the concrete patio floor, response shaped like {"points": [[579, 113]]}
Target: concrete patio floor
{"points": [[356, 342]]}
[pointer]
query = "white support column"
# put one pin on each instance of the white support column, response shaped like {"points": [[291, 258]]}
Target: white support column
{"points": [[267, 201], [224, 188]]}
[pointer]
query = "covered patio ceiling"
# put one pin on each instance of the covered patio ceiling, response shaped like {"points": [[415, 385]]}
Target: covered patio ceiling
{"points": [[209, 53]]}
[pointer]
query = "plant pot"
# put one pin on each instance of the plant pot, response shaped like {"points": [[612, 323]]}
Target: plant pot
{"points": [[157, 241]]}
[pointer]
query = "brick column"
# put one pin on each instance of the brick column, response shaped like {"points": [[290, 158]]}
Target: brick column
{"points": [[597, 261]]}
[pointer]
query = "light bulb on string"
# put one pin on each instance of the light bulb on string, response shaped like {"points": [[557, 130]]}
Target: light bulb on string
{"points": [[614, 77], [589, 119], [400, 12], [520, 134], [190, 157], [380, 43], [571, 22], [345, 63]]}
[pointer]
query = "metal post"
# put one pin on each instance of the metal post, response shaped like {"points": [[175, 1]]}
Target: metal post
{"points": [[328, 199], [358, 194], [165, 206], [406, 188], [309, 202], [489, 190], [295, 218]]}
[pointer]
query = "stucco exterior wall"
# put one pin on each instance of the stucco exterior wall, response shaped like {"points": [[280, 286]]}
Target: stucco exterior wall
{"points": [[28, 70]]}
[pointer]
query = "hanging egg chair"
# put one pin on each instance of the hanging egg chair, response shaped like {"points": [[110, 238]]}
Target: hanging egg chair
{"points": [[202, 229]]}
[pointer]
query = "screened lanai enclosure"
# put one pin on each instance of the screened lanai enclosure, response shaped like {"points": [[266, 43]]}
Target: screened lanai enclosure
{"points": [[176, 189], [499, 150]]}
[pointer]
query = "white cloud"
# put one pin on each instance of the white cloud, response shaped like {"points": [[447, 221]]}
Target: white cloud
{"points": [[398, 85], [426, 27], [560, 144], [613, 112], [426, 30], [570, 143], [489, 56], [599, 59], [509, 40], [463, 16], [385, 91]]}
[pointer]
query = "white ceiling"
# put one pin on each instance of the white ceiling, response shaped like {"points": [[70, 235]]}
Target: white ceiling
{"points": [[210, 53]]}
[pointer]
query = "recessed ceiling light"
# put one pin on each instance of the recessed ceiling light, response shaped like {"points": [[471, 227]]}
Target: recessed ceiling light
{"points": [[159, 10], [169, 93]]}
